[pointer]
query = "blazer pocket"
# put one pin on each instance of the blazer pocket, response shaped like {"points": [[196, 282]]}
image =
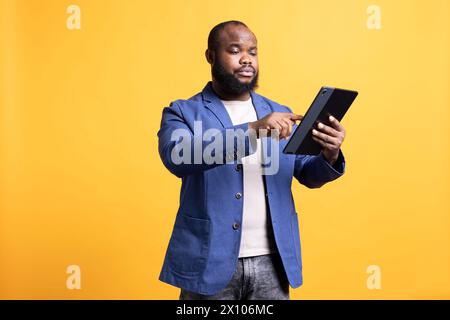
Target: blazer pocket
{"points": [[188, 247]]}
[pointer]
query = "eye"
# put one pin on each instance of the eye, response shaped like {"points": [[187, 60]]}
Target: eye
{"points": [[253, 53]]}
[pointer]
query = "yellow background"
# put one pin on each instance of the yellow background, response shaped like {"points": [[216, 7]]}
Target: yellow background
{"points": [[81, 181]]}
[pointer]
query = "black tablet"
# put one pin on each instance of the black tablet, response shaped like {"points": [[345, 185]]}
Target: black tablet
{"points": [[329, 101]]}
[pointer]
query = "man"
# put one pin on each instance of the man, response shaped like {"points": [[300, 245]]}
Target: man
{"points": [[236, 234]]}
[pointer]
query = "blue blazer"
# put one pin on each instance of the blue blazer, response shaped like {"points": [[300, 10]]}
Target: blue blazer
{"points": [[203, 250]]}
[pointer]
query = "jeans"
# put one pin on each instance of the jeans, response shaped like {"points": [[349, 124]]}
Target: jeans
{"points": [[256, 278]]}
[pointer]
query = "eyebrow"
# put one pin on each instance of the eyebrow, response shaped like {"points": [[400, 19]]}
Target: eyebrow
{"points": [[235, 44]]}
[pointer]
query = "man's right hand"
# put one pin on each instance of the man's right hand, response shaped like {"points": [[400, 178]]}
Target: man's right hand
{"points": [[281, 122]]}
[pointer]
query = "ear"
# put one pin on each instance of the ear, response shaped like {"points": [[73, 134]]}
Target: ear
{"points": [[209, 54]]}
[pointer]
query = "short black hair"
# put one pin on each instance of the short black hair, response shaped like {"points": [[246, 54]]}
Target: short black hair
{"points": [[213, 38]]}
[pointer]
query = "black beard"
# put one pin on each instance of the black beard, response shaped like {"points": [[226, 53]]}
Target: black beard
{"points": [[229, 83]]}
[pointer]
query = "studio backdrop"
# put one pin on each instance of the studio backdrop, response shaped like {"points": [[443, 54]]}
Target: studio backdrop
{"points": [[86, 205]]}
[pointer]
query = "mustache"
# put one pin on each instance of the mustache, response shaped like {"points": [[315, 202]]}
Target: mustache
{"points": [[246, 68]]}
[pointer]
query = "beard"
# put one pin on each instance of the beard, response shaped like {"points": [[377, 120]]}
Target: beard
{"points": [[229, 83]]}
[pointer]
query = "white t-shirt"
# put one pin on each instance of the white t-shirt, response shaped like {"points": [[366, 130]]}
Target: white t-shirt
{"points": [[257, 233]]}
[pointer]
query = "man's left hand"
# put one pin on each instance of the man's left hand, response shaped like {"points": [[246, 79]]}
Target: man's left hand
{"points": [[330, 138]]}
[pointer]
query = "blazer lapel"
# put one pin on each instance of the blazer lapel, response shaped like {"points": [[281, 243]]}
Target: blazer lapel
{"points": [[213, 103], [262, 108]]}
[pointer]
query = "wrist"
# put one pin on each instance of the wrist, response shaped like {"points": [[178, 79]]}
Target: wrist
{"points": [[331, 158]]}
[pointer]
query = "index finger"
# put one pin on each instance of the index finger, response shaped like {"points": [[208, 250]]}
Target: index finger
{"points": [[294, 116]]}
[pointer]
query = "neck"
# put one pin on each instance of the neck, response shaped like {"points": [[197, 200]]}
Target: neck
{"points": [[227, 96]]}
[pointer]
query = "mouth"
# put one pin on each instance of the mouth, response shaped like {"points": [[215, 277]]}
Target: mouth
{"points": [[246, 72]]}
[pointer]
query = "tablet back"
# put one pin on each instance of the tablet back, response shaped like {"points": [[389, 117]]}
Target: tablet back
{"points": [[329, 101]]}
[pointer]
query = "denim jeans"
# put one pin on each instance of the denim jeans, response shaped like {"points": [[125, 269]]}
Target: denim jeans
{"points": [[256, 278]]}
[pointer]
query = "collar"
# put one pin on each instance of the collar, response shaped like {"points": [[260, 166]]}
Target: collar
{"points": [[213, 103]]}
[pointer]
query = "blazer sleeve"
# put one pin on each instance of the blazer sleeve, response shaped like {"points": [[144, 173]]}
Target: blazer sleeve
{"points": [[175, 136], [315, 171]]}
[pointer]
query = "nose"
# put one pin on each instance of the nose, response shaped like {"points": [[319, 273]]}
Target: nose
{"points": [[245, 59]]}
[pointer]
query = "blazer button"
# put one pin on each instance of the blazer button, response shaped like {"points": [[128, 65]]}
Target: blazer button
{"points": [[236, 226], [238, 167], [238, 195]]}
